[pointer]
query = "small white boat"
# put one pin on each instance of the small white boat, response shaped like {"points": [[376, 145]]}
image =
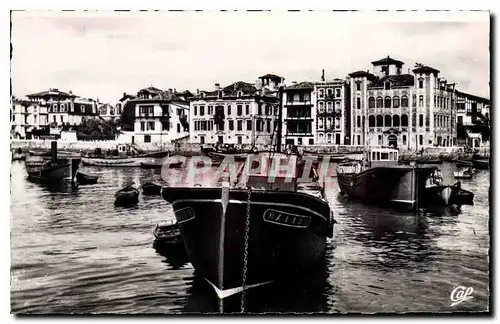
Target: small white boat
{"points": [[465, 173]]}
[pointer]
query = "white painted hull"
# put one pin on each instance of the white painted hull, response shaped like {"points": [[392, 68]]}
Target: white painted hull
{"points": [[115, 162]]}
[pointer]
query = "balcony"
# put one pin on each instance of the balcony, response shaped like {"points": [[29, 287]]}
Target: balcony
{"points": [[337, 113]]}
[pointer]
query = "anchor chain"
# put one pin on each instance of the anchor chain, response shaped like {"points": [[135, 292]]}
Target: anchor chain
{"points": [[245, 252]]}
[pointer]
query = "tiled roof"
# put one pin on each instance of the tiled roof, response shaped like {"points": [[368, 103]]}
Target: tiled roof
{"points": [[396, 80], [245, 87], [151, 90], [270, 75], [473, 97], [51, 92], [387, 61], [301, 85], [361, 74], [425, 69]]}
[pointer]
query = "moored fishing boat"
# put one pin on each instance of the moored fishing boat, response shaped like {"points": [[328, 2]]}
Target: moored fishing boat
{"points": [[464, 173], [53, 169], [86, 179], [127, 196], [217, 156], [151, 189], [257, 229], [167, 232], [124, 156], [380, 180]]}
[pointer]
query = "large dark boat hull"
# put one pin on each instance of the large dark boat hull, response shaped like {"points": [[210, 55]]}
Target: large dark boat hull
{"points": [[287, 233], [399, 187]]}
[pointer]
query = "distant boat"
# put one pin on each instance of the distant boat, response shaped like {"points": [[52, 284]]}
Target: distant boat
{"points": [[380, 180], [86, 179], [167, 232], [53, 169], [151, 189], [127, 196], [463, 163], [158, 163], [481, 164], [123, 156], [238, 157]]}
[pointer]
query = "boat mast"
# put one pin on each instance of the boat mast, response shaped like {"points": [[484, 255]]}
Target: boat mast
{"points": [[280, 119]]}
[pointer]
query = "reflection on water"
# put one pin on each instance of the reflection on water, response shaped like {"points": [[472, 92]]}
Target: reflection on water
{"points": [[74, 251]]}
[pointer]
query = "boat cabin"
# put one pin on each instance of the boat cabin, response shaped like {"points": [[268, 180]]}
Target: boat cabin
{"points": [[270, 172], [381, 157]]}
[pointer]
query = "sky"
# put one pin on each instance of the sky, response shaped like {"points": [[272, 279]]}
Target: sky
{"points": [[103, 54]]}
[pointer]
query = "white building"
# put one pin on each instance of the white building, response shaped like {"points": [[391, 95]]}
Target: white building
{"points": [[108, 112], [28, 118], [240, 113], [331, 100], [65, 108], [160, 116], [390, 108]]}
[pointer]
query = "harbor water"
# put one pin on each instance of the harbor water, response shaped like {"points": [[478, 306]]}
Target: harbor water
{"points": [[75, 252]]}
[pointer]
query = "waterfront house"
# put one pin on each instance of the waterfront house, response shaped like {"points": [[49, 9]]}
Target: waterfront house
{"points": [[65, 108], [240, 113], [299, 114], [28, 118], [160, 116]]}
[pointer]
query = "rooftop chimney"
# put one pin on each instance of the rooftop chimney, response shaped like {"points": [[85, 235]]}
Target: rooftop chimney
{"points": [[217, 86]]}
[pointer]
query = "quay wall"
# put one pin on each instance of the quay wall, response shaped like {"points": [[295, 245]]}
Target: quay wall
{"points": [[186, 148]]}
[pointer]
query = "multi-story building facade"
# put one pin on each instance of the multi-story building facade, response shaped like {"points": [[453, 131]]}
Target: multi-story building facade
{"points": [[109, 112], [28, 118], [65, 108], [332, 98], [389, 108], [299, 114], [160, 116], [240, 113]]}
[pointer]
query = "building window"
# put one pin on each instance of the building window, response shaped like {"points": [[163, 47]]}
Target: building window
{"points": [[371, 102], [240, 140], [276, 110], [395, 121], [321, 123], [259, 127], [321, 138], [380, 102], [371, 121], [337, 93], [420, 101], [268, 110], [321, 107], [358, 121], [275, 125], [247, 109], [387, 85], [404, 120], [151, 126], [404, 139], [337, 107], [337, 123], [259, 109], [239, 125], [210, 110], [147, 138], [387, 102], [239, 110], [358, 103], [231, 125], [421, 139], [420, 83], [329, 107], [62, 120], [268, 125], [387, 121], [359, 139], [421, 120], [229, 110], [358, 86], [380, 121], [178, 128], [395, 102], [249, 125], [321, 93], [202, 110], [330, 92], [379, 140], [404, 101], [195, 110]]}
